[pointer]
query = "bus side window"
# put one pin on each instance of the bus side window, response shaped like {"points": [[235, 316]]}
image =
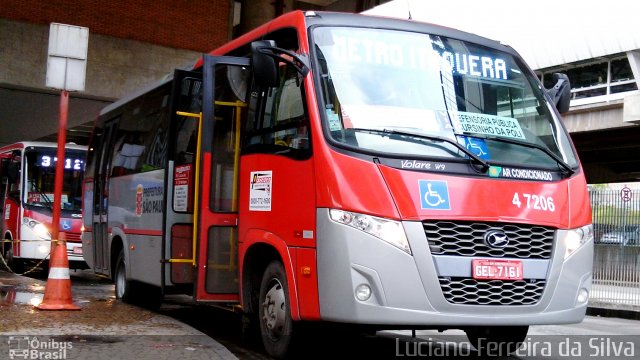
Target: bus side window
{"points": [[186, 142], [283, 126], [157, 151], [142, 137], [4, 179], [129, 148], [186, 128], [13, 174]]}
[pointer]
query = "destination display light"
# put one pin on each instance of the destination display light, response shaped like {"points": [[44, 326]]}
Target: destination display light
{"points": [[475, 65], [389, 49], [69, 163]]}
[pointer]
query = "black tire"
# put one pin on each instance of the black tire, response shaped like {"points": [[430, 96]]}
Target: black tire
{"points": [[124, 290], [497, 340], [276, 326], [133, 292], [15, 265]]}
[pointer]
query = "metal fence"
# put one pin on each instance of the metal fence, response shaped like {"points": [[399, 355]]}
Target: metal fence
{"points": [[616, 265]]}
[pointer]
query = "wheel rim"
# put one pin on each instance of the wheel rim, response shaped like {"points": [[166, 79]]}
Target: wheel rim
{"points": [[121, 280], [274, 310]]}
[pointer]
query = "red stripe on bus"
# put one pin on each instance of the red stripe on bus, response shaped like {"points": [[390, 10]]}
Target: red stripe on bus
{"points": [[143, 232]]}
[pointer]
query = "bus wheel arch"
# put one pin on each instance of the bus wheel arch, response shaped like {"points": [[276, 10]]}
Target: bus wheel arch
{"points": [[128, 290], [15, 265], [255, 262], [122, 284], [116, 247], [7, 242]]}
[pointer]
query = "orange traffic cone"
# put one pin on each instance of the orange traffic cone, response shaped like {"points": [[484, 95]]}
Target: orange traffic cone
{"points": [[57, 292]]}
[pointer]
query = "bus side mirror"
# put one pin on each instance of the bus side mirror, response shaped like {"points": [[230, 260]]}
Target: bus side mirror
{"points": [[560, 93], [265, 69], [264, 55]]}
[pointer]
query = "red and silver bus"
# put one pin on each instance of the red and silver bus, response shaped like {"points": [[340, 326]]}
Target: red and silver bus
{"points": [[349, 169], [28, 176]]}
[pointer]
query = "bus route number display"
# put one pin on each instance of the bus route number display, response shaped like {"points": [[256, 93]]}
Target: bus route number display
{"points": [[69, 163]]}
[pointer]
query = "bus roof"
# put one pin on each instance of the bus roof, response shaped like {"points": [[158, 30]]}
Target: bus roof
{"points": [[135, 94], [304, 20], [45, 144]]}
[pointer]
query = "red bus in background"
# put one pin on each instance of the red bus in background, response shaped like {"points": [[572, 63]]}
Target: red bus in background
{"points": [[348, 169], [27, 170]]}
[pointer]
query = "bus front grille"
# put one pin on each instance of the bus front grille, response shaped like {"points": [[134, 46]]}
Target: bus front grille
{"points": [[465, 291], [72, 237], [463, 238]]}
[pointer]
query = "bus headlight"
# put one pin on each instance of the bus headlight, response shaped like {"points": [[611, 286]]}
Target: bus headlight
{"points": [[37, 227], [390, 231], [575, 238]]}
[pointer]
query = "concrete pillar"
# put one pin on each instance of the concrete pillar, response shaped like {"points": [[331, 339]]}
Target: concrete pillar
{"points": [[257, 12], [634, 62]]}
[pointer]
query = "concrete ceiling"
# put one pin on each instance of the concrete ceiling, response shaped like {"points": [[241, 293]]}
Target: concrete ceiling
{"points": [[609, 155], [33, 114]]}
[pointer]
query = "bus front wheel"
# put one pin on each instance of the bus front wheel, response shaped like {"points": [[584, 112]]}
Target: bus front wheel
{"points": [[274, 311], [497, 340]]}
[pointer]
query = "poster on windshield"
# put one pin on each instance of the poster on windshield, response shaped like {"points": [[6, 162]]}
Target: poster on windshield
{"points": [[476, 123]]}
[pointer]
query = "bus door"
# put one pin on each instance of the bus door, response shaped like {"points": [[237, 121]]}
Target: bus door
{"points": [[101, 196], [5, 161], [186, 116], [216, 216], [12, 198], [4, 178]]}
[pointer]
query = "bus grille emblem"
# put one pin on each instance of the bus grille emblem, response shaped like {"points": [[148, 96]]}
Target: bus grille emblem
{"points": [[496, 239]]}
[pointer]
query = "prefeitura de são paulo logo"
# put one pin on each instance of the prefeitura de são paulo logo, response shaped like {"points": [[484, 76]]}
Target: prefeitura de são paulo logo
{"points": [[30, 347]]}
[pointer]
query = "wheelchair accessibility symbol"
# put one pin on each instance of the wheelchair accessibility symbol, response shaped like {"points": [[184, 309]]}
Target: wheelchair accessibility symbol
{"points": [[434, 195], [65, 225], [476, 146]]}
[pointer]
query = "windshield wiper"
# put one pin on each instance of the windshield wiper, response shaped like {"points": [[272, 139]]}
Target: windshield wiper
{"points": [[483, 164], [544, 149], [48, 202]]}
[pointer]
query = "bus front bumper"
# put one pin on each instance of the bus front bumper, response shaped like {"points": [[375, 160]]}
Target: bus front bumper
{"points": [[40, 249], [405, 289]]}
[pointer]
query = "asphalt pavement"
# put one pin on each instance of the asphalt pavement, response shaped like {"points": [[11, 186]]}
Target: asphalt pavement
{"points": [[103, 328]]}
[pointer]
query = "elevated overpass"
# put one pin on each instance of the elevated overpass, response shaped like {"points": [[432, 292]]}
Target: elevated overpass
{"points": [[607, 137]]}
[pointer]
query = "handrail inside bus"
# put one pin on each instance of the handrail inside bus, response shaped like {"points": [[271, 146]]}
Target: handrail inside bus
{"points": [[198, 116]]}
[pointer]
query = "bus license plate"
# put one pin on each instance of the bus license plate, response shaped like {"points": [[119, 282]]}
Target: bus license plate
{"points": [[77, 250], [497, 269]]}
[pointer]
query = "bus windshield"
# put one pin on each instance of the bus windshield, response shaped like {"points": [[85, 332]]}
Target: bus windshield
{"points": [[40, 167], [377, 82]]}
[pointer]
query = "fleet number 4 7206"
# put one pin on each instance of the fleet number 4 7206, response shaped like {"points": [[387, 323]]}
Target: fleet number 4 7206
{"points": [[535, 202]]}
